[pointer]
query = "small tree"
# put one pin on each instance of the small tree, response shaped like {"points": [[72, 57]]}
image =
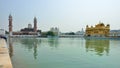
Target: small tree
{"points": [[50, 33]]}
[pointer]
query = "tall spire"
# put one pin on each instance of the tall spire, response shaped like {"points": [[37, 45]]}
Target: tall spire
{"points": [[10, 24], [35, 24], [10, 16]]}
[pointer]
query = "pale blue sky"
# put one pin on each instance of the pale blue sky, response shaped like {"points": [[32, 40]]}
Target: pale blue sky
{"points": [[68, 15]]}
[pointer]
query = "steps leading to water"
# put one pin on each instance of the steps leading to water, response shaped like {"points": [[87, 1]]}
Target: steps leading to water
{"points": [[5, 61]]}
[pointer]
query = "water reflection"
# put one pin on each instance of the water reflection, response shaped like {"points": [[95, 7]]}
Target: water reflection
{"points": [[10, 47], [53, 42], [30, 44], [98, 46], [35, 51]]}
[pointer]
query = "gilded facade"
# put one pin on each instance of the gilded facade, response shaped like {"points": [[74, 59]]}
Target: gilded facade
{"points": [[100, 30]]}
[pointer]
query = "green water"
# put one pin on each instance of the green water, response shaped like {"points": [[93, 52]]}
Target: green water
{"points": [[64, 53]]}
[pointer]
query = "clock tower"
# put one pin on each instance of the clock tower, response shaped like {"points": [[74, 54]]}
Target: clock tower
{"points": [[35, 24], [10, 25]]}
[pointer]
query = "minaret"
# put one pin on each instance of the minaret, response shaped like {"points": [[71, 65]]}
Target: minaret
{"points": [[35, 24], [10, 25]]}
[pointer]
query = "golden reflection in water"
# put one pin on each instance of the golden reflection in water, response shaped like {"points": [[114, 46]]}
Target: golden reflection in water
{"points": [[100, 47]]}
